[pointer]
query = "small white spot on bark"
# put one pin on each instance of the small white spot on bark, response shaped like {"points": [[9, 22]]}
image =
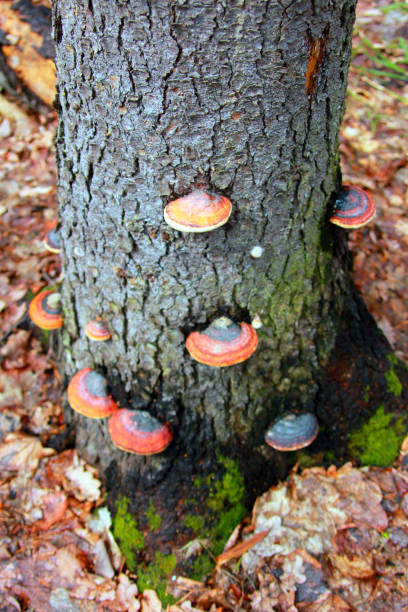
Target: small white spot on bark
{"points": [[256, 322], [256, 251]]}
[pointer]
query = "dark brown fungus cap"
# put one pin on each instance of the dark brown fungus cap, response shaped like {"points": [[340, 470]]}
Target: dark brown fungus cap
{"points": [[223, 343], [88, 394], [136, 431], [353, 208], [292, 431], [198, 212], [45, 310], [52, 241]]}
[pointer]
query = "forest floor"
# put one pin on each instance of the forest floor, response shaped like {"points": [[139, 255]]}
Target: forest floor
{"points": [[57, 552]]}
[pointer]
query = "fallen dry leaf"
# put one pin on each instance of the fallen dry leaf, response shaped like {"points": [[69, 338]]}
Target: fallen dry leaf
{"points": [[21, 452], [239, 549]]}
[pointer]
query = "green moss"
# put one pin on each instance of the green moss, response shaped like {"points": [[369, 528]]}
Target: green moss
{"points": [[366, 395], [229, 519], [114, 307], [196, 523], [393, 382], [153, 518], [155, 576], [202, 566], [377, 442], [306, 461], [125, 531], [198, 482], [225, 510], [230, 489]]}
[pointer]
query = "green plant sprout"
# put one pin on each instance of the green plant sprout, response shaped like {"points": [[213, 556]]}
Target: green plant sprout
{"points": [[386, 68]]}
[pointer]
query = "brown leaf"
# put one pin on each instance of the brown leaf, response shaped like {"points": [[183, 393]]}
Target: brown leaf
{"points": [[56, 504], [239, 549], [356, 567], [21, 452]]}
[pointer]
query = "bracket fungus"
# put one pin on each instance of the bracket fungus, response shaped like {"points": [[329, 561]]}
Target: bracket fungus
{"points": [[88, 395], [223, 343], [97, 330], [138, 432], [353, 208], [52, 241], [45, 310], [292, 431], [198, 212]]}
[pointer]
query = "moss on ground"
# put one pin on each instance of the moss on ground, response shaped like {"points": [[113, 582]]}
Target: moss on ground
{"points": [[156, 574], [378, 441], [127, 534], [202, 566], [225, 510]]}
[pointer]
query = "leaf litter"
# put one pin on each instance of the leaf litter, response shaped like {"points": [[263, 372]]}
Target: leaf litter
{"points": [[323, 540]]}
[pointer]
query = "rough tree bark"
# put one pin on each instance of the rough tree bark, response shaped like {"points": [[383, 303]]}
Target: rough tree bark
{"points": [[244, 99]]}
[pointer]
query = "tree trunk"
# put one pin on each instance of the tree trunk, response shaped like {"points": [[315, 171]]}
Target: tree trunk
{"points": [[158, 98]]}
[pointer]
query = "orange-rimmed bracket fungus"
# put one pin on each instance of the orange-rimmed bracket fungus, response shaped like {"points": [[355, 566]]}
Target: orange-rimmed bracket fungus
{"points": [[45, 310], [223, 343], [52, 241], [88, 394], [198, 212], [353, 208], [97, 330], [138, 432], [292, 431]]}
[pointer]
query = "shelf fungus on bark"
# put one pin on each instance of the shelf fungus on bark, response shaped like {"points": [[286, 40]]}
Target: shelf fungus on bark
{"points": [[97, 330], [45, 310], [88, 394], [223, 343], [198, 212], [52, 241], [353, 208], [292, 431], [138, 432]]}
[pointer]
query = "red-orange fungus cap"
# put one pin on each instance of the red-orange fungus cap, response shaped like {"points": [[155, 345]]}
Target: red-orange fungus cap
{"points": [[136, 431], [198, 212], [97, 330], [223, 343], [353, 208], [45, 310], [88, 395]]}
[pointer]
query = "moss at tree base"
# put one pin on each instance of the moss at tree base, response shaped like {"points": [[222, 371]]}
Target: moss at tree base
{"points": [[378, 441], [126, 532], [155, 576], [394, 384]]}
